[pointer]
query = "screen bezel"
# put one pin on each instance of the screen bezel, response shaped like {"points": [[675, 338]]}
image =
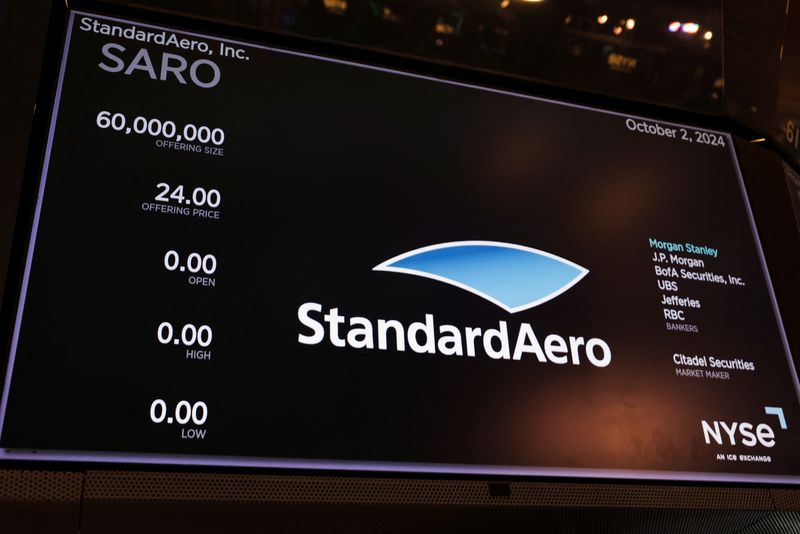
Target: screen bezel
{"points": [[371, 58]]}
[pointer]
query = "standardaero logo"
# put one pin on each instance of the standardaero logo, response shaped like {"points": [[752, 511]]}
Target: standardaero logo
{"points": [[513, 277]]}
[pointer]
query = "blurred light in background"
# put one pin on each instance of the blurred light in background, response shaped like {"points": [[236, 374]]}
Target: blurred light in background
{"points": [[690, 27]]}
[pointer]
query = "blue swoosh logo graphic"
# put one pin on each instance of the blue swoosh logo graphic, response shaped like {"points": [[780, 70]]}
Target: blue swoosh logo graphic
{"points": [[514, 277]]}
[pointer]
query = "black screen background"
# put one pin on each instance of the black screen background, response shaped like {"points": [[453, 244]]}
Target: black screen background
{"points": [[329, 170]]}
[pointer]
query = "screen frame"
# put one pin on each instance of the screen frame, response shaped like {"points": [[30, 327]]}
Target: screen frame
{"points": [[55, 50]]}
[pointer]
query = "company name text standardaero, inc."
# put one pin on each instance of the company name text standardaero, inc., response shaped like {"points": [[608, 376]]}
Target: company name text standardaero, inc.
{"points": [[134, 33], [428, 338]]}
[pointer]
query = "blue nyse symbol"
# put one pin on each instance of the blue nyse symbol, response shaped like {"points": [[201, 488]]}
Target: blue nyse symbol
{"points": [[776, 410], [511, 276]]}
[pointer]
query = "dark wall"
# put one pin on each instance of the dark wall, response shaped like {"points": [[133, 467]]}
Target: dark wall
{"points": [[3, 6], [23, 28]]}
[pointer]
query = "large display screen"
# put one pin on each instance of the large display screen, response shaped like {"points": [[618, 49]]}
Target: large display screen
{"points": [[248, 256]]}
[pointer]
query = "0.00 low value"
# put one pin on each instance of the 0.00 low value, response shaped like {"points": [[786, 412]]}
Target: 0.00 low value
{"points": [[183, 413]]}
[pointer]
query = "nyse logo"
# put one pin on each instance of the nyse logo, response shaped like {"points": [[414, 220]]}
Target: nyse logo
{"points": [[744, 433]]}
